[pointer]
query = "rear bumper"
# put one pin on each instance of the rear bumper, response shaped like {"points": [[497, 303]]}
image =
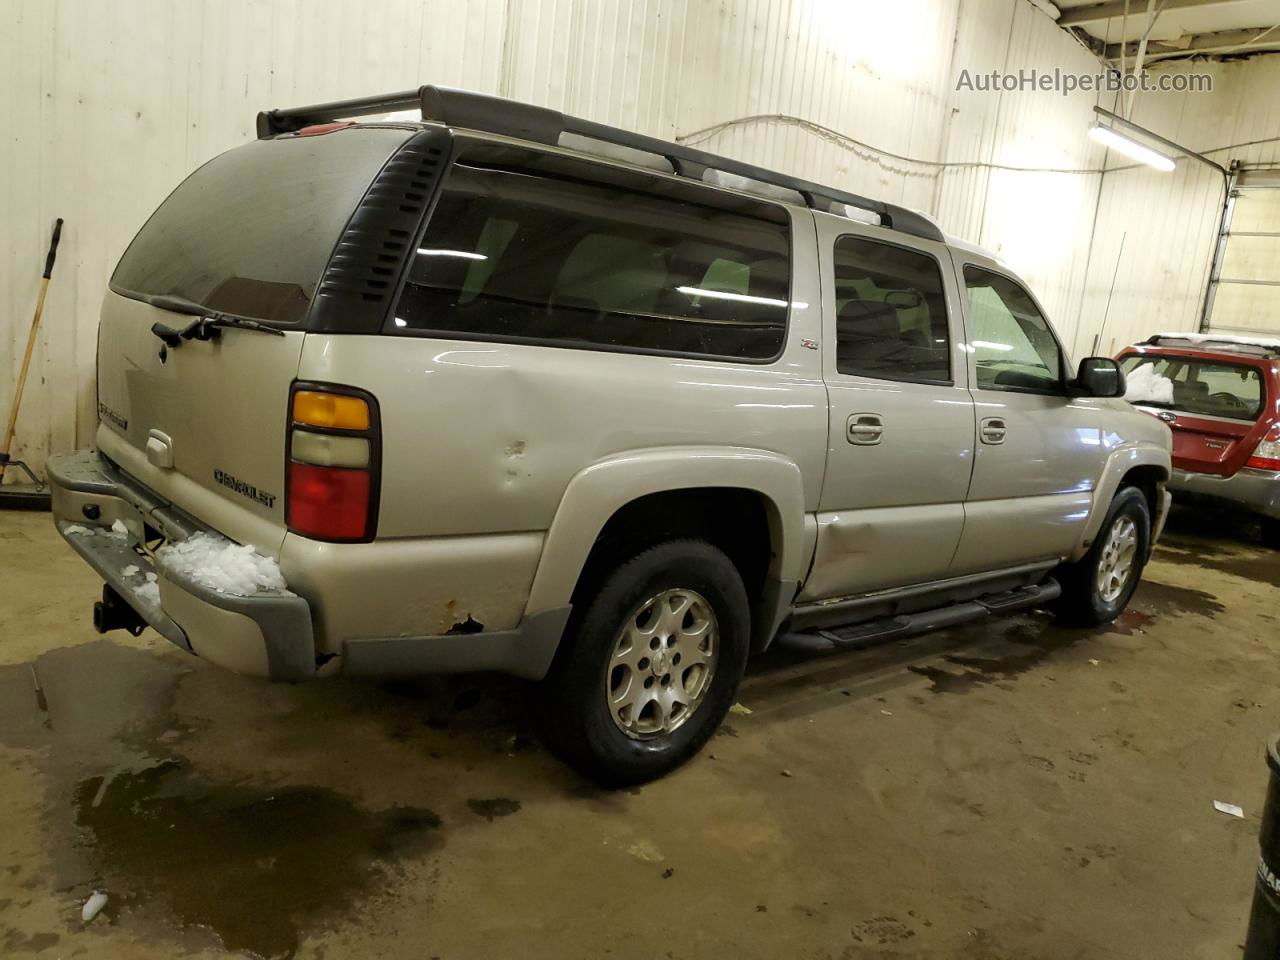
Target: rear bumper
{"points": [[1257, 491], [265, 635], [269, 635]]}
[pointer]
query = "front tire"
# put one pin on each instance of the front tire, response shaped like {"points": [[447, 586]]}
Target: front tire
{"points": [[1098, 586], [652, 665]]}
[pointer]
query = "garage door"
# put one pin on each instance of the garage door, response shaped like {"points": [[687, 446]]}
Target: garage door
{"points": [[1247, 294]]}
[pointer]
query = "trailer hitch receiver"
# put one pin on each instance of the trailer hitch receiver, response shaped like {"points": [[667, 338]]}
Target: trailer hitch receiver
{"points": [[113, 612]]}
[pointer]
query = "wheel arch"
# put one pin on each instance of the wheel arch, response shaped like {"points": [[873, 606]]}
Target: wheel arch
{"points": [[1146, 468], [734, 497]]}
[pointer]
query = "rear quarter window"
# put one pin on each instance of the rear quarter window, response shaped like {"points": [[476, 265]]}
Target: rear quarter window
{"points": [[516, 256], [251, 231]]}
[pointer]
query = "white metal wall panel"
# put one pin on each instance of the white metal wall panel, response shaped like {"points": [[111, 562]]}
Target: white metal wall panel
{"points": [[1029, 182], [110, 105], [1168, 222]]}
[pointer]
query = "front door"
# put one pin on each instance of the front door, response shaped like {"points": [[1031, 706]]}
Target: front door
{"points": [[1039, 451], [901, 428]]}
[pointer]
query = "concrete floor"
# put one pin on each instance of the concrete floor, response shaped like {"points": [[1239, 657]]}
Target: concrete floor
{"points": [[1009, 790]]}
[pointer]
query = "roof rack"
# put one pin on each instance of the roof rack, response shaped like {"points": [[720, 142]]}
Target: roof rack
{"points": [[478, 111], [1253, 346]]}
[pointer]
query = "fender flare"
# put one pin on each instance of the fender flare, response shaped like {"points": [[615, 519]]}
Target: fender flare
{"points": [[597, 492], [1119, 463]]}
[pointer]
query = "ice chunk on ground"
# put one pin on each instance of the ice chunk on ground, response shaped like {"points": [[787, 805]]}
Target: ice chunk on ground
{"points": [[119, 529], [93, 906], [1144, 385], [221, 565], [150, 591], [78, 529], [130, 571], [151, 578]]}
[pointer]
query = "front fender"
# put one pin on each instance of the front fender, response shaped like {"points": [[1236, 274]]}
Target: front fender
{"points": [[597, 492], [1119, 463]]}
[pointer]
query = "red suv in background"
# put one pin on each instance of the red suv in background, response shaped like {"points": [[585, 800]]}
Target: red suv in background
{"points": [[1221, 397]]}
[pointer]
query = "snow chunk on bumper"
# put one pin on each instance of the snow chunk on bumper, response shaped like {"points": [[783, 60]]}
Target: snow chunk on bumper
{"points": [[218, 564]]}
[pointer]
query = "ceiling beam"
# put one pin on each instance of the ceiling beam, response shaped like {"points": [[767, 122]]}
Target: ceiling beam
{"points": [[1222, 42], [1114, 10]]}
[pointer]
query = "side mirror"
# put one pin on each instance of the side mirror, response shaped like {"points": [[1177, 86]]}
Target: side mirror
{"points": [[1099, 377]]}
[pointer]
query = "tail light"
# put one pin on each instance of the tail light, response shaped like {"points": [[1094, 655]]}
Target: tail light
{"points": [[1266, 455], [334, 459]]}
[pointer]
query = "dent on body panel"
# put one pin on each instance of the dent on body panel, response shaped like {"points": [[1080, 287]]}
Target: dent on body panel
{"points": [[411, 587], [861, 550]]}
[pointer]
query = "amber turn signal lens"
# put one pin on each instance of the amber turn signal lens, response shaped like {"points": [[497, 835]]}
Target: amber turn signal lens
{"points": [[336, 410]]}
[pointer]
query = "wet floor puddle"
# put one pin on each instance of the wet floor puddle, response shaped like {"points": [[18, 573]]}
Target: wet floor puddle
{"points": [[258, 867], [1221, 541], [1030, 644], [1263, 569], [255, 866]]}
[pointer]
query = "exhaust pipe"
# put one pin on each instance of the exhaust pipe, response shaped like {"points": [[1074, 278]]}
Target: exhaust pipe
{"points": [[113, 612]]}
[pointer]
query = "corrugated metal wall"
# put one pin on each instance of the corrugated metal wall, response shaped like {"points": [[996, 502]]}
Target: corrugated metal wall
{"points": [[1168, 222], [110, 105]]}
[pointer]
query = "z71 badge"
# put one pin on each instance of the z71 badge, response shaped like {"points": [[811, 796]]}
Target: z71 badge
{"points": [[244, 489]]}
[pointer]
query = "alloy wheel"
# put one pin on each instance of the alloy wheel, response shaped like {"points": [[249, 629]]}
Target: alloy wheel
{"points": [[663, 660], [1118, 560]]}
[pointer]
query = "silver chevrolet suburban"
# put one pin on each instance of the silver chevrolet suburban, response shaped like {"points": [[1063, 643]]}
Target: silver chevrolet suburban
{"points": [[504, 389]]}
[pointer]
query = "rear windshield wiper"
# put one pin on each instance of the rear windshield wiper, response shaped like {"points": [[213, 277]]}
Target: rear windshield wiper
{"points": [[205, 326]]}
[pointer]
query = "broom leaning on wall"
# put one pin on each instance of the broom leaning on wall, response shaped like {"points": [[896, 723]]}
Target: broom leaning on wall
{"points": [[22, 496]]}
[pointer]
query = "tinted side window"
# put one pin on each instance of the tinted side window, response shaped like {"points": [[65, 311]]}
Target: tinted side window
{"points": [[521, 257], [891, 314], [1013, 347]]}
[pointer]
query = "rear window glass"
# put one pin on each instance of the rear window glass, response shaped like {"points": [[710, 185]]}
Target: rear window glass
{"points": [[514, 256], [251, 230], [1229, 390]]}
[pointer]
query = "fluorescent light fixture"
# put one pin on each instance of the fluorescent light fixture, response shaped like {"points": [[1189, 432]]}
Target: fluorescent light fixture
{"points": [[725, 295], [461, 254], [988, 345], [1130, 148]]}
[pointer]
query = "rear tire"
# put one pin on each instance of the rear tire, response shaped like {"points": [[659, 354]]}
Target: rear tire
{"points": [[1098, 586], [670, 624], [1271, 533]]}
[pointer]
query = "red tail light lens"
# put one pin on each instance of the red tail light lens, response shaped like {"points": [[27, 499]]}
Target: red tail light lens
{"points": [[328, 503], [1266, 455], [334, 459]]}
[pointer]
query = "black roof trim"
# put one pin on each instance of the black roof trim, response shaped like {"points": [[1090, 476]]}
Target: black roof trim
{"points": [[478, 111]]}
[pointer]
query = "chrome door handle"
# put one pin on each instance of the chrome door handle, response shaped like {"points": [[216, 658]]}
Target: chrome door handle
{"points": [[864, 429], [992, 430]]}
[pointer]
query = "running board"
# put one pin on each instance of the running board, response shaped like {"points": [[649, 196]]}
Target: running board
{"points": [[905, 625]]}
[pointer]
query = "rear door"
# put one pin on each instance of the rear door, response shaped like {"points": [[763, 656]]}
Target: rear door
{"points": [[1214, 406], [249, 233], [901, 430]]}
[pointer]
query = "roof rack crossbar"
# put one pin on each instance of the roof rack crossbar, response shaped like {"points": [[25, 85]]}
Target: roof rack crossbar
{"points": [[272, 122], [478, 111]]}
